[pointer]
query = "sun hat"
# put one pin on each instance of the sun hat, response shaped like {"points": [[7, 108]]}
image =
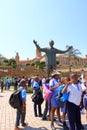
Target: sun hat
{"points": [[22, 81], [34, 77], [55, 73]]}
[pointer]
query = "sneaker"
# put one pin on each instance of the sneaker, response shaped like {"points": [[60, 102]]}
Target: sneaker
{"points": [[65, 127], [48, 118], [36, 115], [25, 124], [52, 127], [44, 119], [60, 123], [54, 119], [82, 127]]}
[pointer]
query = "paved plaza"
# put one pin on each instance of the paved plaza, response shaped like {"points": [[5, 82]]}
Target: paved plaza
{"points": [[8, 115]]}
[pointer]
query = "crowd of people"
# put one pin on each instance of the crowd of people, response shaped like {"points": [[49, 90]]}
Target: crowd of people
{"points": [[64, 97]]}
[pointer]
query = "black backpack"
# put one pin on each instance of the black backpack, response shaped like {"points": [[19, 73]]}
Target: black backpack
{"points": [[37, 97], [15, 100]]}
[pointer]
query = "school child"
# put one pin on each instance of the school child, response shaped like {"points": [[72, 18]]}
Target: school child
{"points": [[47, 96], [54, 84], [63, 97], [73, 87], [36, 88], [21, 111]]}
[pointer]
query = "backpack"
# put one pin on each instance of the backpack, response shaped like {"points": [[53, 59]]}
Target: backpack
{"points": [[62, 97], [85, 101], [37, 97], [15, 100]]}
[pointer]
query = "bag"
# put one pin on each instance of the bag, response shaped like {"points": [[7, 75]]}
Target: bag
{"points": [[65, 97], [62, 96], [15, 100], [47, 93], [37, 97], [85, 101]]}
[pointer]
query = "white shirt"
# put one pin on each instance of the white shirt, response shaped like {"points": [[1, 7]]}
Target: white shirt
{"points": [[83, 87], [43, 81], [75, 92], [82, 78]]}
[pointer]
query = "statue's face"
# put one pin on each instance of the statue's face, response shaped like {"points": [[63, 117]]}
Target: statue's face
{"points": [[51, 43]]}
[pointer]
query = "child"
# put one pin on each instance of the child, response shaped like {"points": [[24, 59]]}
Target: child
{"points": [[63, 97], [73, 104], [21, 111], [47, 99], [36, 88]]}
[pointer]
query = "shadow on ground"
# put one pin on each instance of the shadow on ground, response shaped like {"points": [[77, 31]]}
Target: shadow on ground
{"points": [[40, 128], [32, 128], [1, 96]]}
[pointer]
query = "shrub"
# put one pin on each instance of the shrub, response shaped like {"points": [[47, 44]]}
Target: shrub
{"points": [[29, 90]]}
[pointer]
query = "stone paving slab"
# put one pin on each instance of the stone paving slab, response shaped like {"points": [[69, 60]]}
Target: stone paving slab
{"points": [[8, 115]]}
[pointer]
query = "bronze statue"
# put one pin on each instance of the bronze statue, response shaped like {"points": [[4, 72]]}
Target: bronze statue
{"points": [[50, 55]]}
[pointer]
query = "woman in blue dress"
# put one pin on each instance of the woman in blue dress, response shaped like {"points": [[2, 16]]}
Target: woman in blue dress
{"points": [[54, 84]]}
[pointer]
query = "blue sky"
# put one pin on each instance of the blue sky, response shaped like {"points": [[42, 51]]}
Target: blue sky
{"points": [[21, 21]]}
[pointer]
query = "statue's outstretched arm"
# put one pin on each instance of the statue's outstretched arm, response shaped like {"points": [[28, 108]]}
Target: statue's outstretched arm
{"points": [[41, 49], [37, 46], [61, 52]]}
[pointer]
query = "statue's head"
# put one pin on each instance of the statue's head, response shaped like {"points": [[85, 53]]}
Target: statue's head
{"points": [[51, 43]]}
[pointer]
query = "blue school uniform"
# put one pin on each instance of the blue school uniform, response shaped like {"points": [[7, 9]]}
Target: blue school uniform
{"points": [[53, 82]]}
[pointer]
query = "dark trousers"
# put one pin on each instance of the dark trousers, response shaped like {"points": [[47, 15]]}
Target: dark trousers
{"points": [[45, 110], [2, 88], [15, 87], [20, 116], [8, 85], [74, 116], [35, 109]]}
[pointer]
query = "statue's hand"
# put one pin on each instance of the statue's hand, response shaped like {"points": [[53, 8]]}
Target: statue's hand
{"points": [[35, 42]]}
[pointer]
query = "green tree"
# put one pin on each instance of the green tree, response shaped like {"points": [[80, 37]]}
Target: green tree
{"points": [[73, 53], [39, 64], [42, 65], [12, 62], [27, 64], [57, 62], [32, 64], [6, 61]]}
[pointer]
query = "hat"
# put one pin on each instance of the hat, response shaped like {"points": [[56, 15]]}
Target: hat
{"points": [[55, 73], [34, 77], [22, 81]]}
